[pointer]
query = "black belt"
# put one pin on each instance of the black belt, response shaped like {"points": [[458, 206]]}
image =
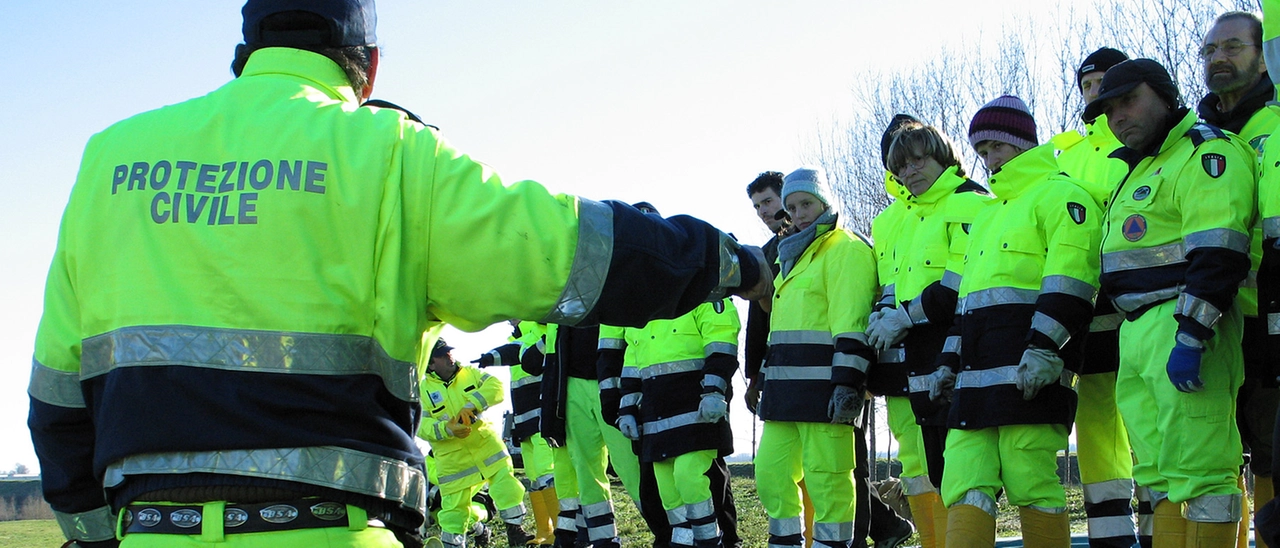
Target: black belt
{"points": [[236, 518]]}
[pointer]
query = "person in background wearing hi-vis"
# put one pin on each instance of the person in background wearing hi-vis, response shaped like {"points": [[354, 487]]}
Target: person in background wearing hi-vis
{"points": [[1102, 444], [814, 380], [469, 451], [920, 245], [1175, 248], [526, 408], [1025, 301]]}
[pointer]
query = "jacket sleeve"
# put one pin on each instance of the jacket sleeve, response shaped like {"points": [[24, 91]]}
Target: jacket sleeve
{"points": [[938, 301], [574, 260], [432, 428], [612, 348], [719, 326], [852, 287], [1072, 231], [532, 347], [1216, 215], [631, 386], [757, 340], [60, 421], [487, 392], [1269, 270]]}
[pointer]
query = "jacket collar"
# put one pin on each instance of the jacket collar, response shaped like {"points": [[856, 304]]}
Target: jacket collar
{"points": [[318, 70], [1023, 171], [1251, 103], [948, 181]]}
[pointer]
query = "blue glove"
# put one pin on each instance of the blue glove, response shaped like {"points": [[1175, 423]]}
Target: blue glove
{"points": [[1184, 363]]}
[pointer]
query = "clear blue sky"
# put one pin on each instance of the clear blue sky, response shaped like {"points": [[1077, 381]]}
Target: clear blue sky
{"points": [[677, 102]]}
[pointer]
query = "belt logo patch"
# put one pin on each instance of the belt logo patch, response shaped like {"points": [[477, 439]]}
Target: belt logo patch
{"points": [[280, 513], [149, 517], [1141, 193], [1076, 211], [185, 518], [1135, 227], [329, 511], [1214, 164], [234, 517]]}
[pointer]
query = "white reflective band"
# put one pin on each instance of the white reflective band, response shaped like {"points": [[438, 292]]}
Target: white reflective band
{"points": [[95, 525], [919, 383], [669, 423], [1050, 328], [893, 355], [730, 269], [514, 513], [976, 498], [569, 504], [1250, 281], [670, 368], [446, 480], [1112, 527], [1005, 375], [54, 387], [612, 344], [996, 296], [1223, 238], [699, 510], [1271, 225], [705, 531], [888, 292], [484, 402], [611, 383], [1199, 310], [595, 510], [527, 416], [951, 280], [917, 485], [682, 536], [1273, 323], [591, 261], [630, 372], [526, 381], [1106, 322], [1214, 509], [1133, 301], [797, 373], [951, 345], [720, 348], [715, 382], [541, 346], [800, 337], [840, 359], [839, 531], [785, 527], [276, 352], [915, 311], [629, 400], [453, 539], [326, 466], [1068, 286], [1116, 489], [678, 515], [1146, 257]]}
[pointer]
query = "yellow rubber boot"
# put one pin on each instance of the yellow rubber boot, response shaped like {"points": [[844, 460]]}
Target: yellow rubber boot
{"points": [[1168, 527], [1042, 529], [808, 515], [1212, 535], [544, 503], [970, 527], [922, 507], [939, 521], [1263, 492]]}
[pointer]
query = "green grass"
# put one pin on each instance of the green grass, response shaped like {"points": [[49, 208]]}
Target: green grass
{"points": [[36, 533]]}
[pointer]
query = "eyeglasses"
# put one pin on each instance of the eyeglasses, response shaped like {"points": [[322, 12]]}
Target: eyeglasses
{"points": [[1231, 47], [915, 164]]}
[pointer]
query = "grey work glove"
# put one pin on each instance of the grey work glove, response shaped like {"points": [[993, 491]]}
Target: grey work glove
{"points": [[941, 381], [712, 408], [627, 424], [845, 406], [1038, 368], [888, 327]]}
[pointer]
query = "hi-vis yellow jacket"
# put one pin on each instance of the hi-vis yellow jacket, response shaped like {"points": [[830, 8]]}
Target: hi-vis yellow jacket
{"points": [[463, 462]]}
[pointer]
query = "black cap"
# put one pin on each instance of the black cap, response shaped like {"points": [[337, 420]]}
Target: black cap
{"points": [[441, 348], [1100, 61], [1122, 78], [886, 140], [351, 23]]}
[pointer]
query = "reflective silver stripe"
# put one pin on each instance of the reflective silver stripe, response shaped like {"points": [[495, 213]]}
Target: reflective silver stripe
{"points": [[247, 350], [327, 466], [1004, 375], [629, 400], [54, 387], [1049, 509], [602, 508], [1271, 53], [630, 372], [527, 416], [569, 504], [671, 368], [1251, 280], [441, 433], [1106, 322], [838, 531], [1116, 489], [699, 510], [704, 531], [1069, 286], [997, 296], [915, 311], [1224, 238], [840, 359], [591, 259], [888, 291], [682, 536], [919, 383], [1111, 527], [1147, 257], [951, 280], [677, 515], [893, 355], [1133, 301], [566, 523], [797, 373], [1214, 509], [952, 344], [675, 421], [974, 497], [715, 382], [95, 525], [800, 337], [541, 346], [453, 539], [602, 532], [445, 480], [917, 485], [512, 515], [1050, 327], [1198, 309], [784, 527], [1271, 226], [544, 481], [526, 381], [496, 457], [484, 402], [1273, 323], [612, 344], [730, 270], [720, 348], [611, 383]]}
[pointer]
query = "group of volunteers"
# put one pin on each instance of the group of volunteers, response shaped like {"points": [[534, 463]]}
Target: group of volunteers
{"points": [[264, 383]]}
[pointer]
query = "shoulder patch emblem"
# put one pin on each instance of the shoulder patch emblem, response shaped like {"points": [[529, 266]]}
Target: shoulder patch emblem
{"points": [[1135, 227], [1141, 193], [1076, 211], [1214, 164]]}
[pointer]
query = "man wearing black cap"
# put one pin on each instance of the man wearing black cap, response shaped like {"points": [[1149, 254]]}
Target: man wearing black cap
{"points": [[1239, 90], [246, 361], [1102, 445], [1175, 248]]}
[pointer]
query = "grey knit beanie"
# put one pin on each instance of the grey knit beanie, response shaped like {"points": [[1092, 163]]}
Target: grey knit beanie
{"points": [[808, 179]]}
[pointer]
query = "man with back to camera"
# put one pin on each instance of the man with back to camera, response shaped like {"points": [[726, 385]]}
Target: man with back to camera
{"points": [[292, 394]]}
